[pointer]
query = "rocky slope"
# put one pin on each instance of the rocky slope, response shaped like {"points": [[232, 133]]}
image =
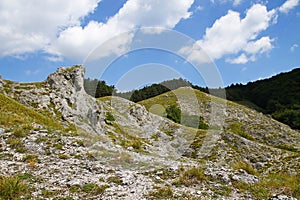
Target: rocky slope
{"points": [[62, 143]]}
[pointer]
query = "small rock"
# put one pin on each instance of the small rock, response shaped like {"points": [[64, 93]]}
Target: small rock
{"points": [[282, 197], [130, 148], [159, 173]]}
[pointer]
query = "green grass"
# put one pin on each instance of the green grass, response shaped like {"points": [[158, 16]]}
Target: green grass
{"points": [[115, 179], [162, 193], [13, 188], [279, 183], [237, 128], [94, 189], [14, 115], [245, 166]]}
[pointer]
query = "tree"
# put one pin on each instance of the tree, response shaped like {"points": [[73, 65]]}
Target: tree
{"points": [[173, 113]]}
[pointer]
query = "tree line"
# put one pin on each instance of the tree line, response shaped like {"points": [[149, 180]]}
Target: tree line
{"points": [[278, 96]]}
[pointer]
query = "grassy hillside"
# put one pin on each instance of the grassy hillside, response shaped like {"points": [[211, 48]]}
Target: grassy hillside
{"points": [[278, 96], [20, 118]]}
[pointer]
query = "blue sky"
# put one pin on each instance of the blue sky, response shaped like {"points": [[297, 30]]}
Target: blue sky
{"points": [[131, 43]]}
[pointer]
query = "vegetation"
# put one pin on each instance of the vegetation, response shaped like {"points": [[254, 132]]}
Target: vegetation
{"points": [[154, 90], [174, 113], [278, 96], [15, 115], [109, 117], [162, 193], [190, 177], [272, 184], [13, 188], [245, 166], [93, 188], [97, 88], [237, 128]]}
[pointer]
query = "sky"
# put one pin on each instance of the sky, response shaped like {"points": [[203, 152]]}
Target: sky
{"points": [[132, 43]]}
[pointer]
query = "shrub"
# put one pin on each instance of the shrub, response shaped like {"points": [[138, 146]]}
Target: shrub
{"points": [[173, 113], [194, 121], [109, 117]]}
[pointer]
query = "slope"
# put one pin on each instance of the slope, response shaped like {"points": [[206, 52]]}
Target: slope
{"points": [[278, 96], [121, 151]]}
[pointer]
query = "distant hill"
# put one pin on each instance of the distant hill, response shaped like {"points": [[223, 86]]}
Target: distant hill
{"points": [[278, 96]]}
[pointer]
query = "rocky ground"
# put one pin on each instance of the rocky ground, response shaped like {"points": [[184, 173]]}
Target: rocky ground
{"points": [[111, 148]]}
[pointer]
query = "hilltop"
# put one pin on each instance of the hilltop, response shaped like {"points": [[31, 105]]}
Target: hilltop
{"points": [[59, 142], [277, 96]]}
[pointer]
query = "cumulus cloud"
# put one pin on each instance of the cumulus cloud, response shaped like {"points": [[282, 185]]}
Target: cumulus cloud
{"points": [[77, 41], [242, 59], [231, 34], [259, 46], [28, 27], [288, 5], [55, 26], [294, 47]]}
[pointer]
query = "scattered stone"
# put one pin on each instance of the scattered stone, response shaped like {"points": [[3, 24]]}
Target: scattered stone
{"points": [[282, 197]]}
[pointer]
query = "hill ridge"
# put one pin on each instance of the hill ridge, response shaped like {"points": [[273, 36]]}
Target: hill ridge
{"points": [[112, 148]]}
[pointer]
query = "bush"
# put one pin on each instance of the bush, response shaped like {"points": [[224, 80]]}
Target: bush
{"points": [[173, 113], [109, 117], [194, 121]]}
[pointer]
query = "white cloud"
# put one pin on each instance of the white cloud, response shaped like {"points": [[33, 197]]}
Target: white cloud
{"points": [[231, 34], [293, 48], [260, 46], [288, 5], [77, 41], [195, 54], [242, 59], [54, 26], [234, 2], [237, 2], [28, 27]]}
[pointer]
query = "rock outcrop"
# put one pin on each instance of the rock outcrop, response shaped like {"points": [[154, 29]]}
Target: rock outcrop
{"points": [[122, 151]]}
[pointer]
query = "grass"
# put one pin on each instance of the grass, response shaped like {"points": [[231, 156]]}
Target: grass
{"points": [[115, 179], [94, 189], [190, 177], [62, 156], [237, 129], [13, 188], [19, 118], [31, 158], [245, 166], [162, 193], [279, 183], [14, 142]]}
